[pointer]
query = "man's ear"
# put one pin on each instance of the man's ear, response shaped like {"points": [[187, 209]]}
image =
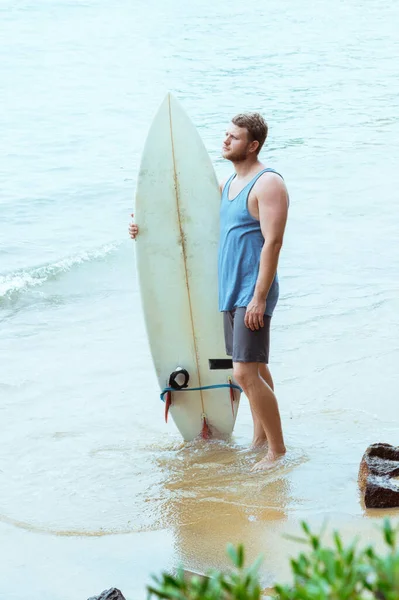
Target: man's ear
{"points": [[253, 146]]}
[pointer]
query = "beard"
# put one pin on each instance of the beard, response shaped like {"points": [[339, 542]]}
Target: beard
{"points": [[235, 157]]}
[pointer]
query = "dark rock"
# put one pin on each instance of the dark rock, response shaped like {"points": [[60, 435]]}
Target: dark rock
{"points": [[379, 464], [111, 594]]}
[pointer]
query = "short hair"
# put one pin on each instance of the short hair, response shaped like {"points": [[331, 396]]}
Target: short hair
{"points": [[256, 126]]}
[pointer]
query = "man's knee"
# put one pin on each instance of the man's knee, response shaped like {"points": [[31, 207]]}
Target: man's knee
{"points": [[245, 374]]}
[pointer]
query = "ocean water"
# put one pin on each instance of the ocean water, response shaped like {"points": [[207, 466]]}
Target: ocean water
{"points": [[96, 491]]}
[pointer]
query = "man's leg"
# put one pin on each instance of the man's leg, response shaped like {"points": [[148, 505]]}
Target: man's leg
{"points": [[264, 407], [264, 372], [260, 437]]}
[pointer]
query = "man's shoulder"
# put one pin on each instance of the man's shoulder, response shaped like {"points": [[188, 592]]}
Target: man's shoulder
{"points": [[270, 181], [223, 182]]}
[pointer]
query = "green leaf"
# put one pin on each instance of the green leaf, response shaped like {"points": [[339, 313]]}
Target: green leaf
{"points": [[240, 556], [389, 533], [314, 540], [164, 593], [305, 527], [338, 541], [295, 538], [232, 553], [254, 568]]}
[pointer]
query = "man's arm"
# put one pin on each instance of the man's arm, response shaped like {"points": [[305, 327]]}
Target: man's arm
{"points": [[222, 184], [272, 199]]}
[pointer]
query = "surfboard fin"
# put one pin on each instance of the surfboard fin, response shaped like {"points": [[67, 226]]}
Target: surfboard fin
{"points": [[205, 432], [168, 402], [232, 398]]}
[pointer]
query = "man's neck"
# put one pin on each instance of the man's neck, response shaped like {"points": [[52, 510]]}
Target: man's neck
{"points": [[245, 168]]}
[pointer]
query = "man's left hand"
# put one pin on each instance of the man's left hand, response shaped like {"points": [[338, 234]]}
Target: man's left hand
{"points": [[255, 313]]}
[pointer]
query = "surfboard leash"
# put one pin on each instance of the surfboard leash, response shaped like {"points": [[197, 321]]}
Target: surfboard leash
{"points": [[166, 396]]}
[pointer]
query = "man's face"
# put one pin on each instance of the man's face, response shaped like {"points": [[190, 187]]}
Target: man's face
{"points": [[236, 144]]}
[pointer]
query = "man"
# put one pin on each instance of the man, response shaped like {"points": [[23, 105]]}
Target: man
{"points": [[253, 216]]}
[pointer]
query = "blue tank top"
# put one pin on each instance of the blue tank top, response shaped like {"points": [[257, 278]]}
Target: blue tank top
{"points": [[240, 246]]}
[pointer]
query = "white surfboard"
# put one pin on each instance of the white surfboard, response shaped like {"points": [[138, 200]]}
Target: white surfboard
{"points": [[177, 211]]}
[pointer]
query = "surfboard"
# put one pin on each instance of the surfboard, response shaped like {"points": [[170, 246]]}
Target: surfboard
{"points": [[177, 210]]}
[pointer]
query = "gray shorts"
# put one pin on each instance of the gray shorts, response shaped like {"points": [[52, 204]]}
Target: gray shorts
{"points": [[243, 344]]}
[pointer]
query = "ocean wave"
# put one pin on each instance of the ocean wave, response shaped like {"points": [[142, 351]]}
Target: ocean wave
{"points": [[14, 283]]}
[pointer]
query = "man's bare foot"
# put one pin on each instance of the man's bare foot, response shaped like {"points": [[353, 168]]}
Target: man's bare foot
{"points": [[268, 461]]}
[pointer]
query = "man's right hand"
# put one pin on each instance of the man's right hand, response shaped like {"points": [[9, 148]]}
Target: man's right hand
{"points": [[133, 229]]}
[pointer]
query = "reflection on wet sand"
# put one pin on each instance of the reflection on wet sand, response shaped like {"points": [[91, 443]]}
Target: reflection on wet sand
{"points": [[214, 500]]}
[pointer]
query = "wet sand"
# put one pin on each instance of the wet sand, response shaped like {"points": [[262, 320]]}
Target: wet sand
{"points": [[206, 497]]}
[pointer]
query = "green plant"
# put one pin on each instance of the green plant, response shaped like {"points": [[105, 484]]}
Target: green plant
{"points": [[240, 583], [320, 573], [384, 580], [343, 573]]}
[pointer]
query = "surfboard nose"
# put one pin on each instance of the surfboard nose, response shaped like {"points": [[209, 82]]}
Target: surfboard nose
{"points": [[172, 102], [169, 106]]}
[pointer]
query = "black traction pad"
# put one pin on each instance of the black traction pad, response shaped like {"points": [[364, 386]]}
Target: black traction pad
{"points": [[220, 363]]}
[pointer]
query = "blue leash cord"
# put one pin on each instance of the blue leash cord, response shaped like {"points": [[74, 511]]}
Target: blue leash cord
{"points": [[197, 389]]}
